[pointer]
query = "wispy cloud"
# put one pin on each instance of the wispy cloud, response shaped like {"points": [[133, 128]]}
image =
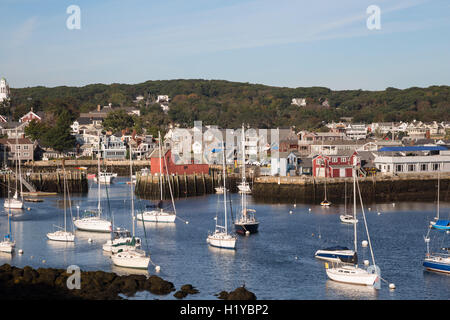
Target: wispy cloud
{"points": [[21, 35]]}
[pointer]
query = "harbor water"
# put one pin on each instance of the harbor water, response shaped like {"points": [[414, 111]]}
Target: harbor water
{"points": [[276, 263]]}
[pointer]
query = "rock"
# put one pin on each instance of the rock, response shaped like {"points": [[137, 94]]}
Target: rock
{"points": [[156, 285], [188, 288], [241, 294], [180, 294], [223, 295]]}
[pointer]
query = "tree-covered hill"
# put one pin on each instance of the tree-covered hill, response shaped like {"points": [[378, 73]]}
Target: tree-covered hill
{"points": [[229, 104]]}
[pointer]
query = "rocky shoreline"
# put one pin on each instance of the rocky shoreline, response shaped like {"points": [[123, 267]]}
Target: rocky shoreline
{"points": [[51, 284]]}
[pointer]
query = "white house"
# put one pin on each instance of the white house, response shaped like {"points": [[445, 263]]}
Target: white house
{"points": [[4, 90], [301, 102]]}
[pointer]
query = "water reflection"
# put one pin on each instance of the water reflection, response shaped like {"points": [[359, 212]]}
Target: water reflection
{"points": [[350, 291], [126, 271], [101, 237]]}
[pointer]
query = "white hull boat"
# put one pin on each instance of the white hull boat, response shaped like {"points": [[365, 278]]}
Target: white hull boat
{"points": [[348, 218], [104, 179], [157, 216], [222, 240], [93, 224], [244, 188], [122, 240], [13, 203], [219, 190], [136, 259], [352, 275], [61, 236], [7, 246]]}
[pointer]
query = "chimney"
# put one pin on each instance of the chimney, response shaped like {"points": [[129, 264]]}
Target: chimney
{"points": [[99, 108]]}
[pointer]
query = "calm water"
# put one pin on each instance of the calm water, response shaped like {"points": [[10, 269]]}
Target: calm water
{"points": [[276, 263]]}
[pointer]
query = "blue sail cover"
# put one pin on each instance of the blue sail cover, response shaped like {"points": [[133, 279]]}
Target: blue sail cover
{"points": [[443, 223]]}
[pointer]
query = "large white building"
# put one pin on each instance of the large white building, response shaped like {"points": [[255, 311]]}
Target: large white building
{"points": [[4, 90]]}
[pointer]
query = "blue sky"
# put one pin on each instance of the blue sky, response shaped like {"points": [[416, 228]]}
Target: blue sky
{"points": [[281, 43]]}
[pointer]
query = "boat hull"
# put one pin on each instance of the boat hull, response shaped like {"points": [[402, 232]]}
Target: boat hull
{"points": [[61, 236], [13, 204], [156, 216], [355, 276], [94, 225], [242, 228], [346, 256], [130, 259], [7, 246], [224, 242], [437, 265]]}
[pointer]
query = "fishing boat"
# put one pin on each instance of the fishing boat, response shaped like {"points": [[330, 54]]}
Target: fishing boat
{"points": [[91, 220], [132, 257], [105, 177], [337, 254], [352, 273], [221, 238], [244, 187], [247, 222], [63, 235], [160, 214], [122, 239]]}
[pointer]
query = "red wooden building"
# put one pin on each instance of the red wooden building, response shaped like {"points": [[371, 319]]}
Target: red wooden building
{"points": [[335, 166], [188, 168]]}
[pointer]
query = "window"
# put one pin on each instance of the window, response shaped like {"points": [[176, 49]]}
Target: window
{"points": [[334, 159], [25, 154], [411, 167], [423, 167], [25, 147], [399, 168], [17, 147], [435, 166]]}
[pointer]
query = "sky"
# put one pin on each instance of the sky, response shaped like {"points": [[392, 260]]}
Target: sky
{"points": [[283, 43]]}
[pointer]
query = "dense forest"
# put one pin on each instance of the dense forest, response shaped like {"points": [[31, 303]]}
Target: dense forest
{"points": [[229, 104]]}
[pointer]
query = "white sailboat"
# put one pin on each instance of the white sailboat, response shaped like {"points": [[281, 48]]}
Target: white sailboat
{"points": [[353, 274], [92, 221], [221, 238], [8, 244], [160, 214], [15, 202], [247, 222], [63, 235], [131, 258], [347, 218]]}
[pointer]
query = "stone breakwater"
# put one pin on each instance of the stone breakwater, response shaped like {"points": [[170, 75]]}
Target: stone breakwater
{"points": [[51, 284], [373, 189]]}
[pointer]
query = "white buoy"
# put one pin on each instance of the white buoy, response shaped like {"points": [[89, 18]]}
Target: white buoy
{"points": [[20, 251], [247, 233], [366, 262], [43, 261], [90, 240], [364, 243], [296, 258], [391, 286], [393, 204], [295, 205], [157, 268], [379, 213], [187, 222], [369, 209], [309, 209], [290, 211], [28, 208]]}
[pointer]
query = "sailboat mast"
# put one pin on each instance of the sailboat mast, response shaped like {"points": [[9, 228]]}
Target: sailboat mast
{"points": [[160, 166], [64, 181], [244, 204], [224, 189], [354, 209], [98, 176], [438, 195], [131, 190], [20, 173]]}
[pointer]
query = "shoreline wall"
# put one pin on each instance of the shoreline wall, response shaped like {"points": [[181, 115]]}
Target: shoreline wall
{"points": [[373, 189]]}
